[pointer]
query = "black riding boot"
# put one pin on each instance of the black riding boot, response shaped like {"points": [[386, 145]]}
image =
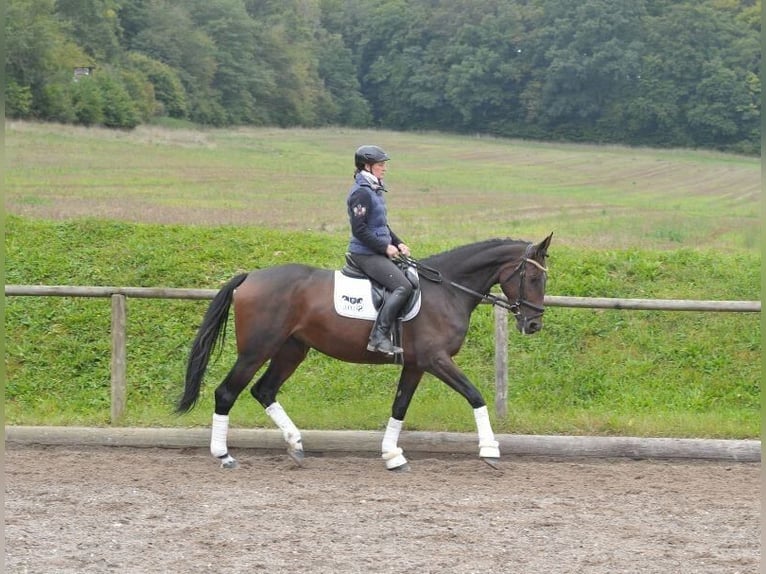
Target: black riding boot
{"points": [[380, 338]]}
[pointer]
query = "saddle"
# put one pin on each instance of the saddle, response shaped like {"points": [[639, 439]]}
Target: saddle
{"points": [[358, 297], [379, 292]]}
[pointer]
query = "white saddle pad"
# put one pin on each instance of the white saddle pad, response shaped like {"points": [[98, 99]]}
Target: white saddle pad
{"points": [[353, 298]]}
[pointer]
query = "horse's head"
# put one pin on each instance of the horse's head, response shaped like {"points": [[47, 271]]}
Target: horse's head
{"points": [[523, 283]]}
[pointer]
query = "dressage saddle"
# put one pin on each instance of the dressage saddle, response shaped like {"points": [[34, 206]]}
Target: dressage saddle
{"points": [[379, 292]]}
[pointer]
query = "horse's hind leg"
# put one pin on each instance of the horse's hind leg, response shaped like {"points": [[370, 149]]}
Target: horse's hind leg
{"points": [[282, 365], [225, 395]]}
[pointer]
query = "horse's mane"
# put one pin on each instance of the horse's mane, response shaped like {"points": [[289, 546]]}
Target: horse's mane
{"points": [[463, 252]]}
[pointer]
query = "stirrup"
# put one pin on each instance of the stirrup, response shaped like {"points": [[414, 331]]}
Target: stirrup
{"points": [[379, 348]]}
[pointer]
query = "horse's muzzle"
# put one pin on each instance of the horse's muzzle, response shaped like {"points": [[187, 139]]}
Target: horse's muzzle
{"points": [[529, 325]]}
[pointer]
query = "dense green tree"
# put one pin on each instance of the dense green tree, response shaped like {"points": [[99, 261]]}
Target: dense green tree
{"points": [[241, 82], [174, 39], [592, 53], [117, 108], [18, 99], [649, 72], [95, 26], [289, 47], [694, 86], [141, 92], [654, 112], [38, 55], [88, 102], [134, 16], [56, 99], [390, 56], [488, 66], [167, 89], [345, 104]]}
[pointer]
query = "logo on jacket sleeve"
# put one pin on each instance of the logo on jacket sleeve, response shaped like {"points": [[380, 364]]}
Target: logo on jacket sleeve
{"points": [[359, 210]]}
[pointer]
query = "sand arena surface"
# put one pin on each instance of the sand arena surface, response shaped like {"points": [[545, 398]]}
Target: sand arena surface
{"points": [[131, 510]]}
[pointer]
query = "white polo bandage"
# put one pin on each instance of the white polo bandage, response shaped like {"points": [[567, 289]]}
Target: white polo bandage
{"points": [[290, 432], [392, 454], [391, 436], [488, 446], [218, 435]]}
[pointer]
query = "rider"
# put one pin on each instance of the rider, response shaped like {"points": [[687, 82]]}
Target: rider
{"points": [[373, 244]]}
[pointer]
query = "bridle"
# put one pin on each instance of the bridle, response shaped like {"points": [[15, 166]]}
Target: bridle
{"points": [[521, 269], [435, 276]]}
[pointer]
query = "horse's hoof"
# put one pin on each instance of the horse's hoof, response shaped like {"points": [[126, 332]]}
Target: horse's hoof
{"points": [[297, 456], [491, 461], [401, 468], [230, 463]]}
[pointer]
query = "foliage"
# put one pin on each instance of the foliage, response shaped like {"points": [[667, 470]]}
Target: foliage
{"points": [[118, 108], [168, 97], [18, 100], [639, 72]]}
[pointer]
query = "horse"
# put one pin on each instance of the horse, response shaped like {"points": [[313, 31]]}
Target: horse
{"points": [[282, 312]]}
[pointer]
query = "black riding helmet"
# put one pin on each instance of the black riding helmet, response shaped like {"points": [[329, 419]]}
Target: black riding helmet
{"points": [[369, 154]]}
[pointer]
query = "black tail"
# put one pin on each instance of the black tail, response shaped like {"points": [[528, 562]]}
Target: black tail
{"points": [[211, 334]]}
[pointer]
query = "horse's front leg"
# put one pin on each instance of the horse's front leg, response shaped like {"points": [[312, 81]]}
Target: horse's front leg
{"points": [[489, 448], [391, 453], [443, 367]]}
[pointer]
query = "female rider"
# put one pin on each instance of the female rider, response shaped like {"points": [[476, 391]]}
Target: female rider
{"points": [[373, 244]]}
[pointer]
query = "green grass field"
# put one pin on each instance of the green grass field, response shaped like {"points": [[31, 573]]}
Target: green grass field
{"points": [[190, 208]]}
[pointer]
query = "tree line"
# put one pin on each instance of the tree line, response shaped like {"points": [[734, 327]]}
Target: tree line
{"points": [[638, 72]]}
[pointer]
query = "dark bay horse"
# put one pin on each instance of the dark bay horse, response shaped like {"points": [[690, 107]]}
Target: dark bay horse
{"points": [[282, 312]]}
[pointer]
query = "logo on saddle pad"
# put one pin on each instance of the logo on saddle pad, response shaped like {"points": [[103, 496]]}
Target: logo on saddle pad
{"points": [[353, 298]]}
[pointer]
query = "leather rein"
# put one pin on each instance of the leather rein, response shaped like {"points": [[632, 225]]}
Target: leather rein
{"points": [[435, 276]]}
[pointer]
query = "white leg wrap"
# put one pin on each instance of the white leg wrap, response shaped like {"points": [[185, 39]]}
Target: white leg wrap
{"points": [[392, 454], [218, 446], [290, 432], [391, 436], [488, 446]]}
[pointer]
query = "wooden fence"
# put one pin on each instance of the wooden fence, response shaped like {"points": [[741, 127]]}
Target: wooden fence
{"points": [[119, 297]]}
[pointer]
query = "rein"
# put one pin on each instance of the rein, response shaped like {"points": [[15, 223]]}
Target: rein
{"points": [[429, 273], [435, 276], [490, 298]]}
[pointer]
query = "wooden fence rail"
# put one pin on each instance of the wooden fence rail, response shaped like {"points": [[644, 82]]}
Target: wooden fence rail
{"points": [[118, 296]]}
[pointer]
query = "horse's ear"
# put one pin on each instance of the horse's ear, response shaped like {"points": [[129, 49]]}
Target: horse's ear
{"points": [[542, 247]]}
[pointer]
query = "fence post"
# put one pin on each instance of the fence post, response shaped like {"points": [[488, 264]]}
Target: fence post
{"points": [[501, 362], [119, 357]]}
